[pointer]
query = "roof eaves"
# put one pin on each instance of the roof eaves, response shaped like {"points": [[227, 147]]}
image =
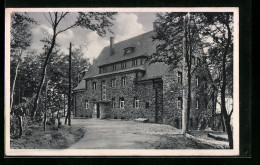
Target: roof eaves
{"points": [[117, 72]]}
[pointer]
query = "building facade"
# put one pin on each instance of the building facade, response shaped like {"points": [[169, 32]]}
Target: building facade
{"points": [[122, 84]]}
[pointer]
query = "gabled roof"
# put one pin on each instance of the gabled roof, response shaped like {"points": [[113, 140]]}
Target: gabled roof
{"points": [[143, 45]]}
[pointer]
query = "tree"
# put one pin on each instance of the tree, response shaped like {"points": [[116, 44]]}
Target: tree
{"points": [[20, 40], [179, 39], [218, 35], [98, 22]]}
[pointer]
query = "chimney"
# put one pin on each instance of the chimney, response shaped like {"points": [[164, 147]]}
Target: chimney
{"points": [[111, 45]]}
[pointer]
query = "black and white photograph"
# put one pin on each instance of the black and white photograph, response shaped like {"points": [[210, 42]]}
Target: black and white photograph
{"points": [[122, 81]]}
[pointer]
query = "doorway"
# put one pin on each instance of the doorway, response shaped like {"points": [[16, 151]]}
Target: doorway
{"points": [[98, 111]]}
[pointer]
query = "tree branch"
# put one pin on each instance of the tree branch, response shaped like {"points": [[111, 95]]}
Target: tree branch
{"points": [[72, 26], [62, 16], [48, 20], [51, 19]]}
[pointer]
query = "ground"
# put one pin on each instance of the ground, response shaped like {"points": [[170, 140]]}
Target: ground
{"points": [[53, 138], [112, 134], [118, 134]]}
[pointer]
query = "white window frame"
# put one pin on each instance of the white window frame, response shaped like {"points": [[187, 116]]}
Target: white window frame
{"points": [[197, 104], [122, 104], [114, 104], [137, 103], [87, 104], [179, 77], [179, 102], [113, 82], [123, 81], [197, 81], [94, 85], [104, 96], [123, 65], [135, 62], [114, 67]]}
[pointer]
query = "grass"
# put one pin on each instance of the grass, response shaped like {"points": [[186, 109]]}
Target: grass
{"points": [[53, 138]]}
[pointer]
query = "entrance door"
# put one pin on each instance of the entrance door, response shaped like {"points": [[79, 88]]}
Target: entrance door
{"points": [[98, 111]]}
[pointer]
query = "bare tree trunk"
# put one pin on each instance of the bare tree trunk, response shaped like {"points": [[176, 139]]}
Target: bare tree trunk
{"points": [[223, 88], [189, 99], [45, 112], [69, 94], [213, 109], [19, 91], [44, 121], [184, 102], [64, 105], [13, 87], [188, 56], [44, 73], [20, 120], [222, 122]]}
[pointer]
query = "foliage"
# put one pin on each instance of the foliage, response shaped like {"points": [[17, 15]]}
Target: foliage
{"points": [[179, 38], [95, 21]]}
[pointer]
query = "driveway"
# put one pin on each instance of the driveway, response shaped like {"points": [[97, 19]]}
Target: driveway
{"points": [[117, 134]]}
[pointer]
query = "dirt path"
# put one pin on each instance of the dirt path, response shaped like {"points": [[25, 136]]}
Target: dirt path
{"points": [[117, 134]]}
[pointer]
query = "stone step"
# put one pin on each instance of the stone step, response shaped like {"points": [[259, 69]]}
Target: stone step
{"points": [[142, 120]]}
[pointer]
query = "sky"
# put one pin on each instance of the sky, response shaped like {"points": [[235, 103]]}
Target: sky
{"points": [[126, 25]]}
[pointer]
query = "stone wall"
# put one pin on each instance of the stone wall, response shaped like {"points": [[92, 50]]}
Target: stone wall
{"points": [[80, 101], [201, 117], [161, 110], [171, 91]]}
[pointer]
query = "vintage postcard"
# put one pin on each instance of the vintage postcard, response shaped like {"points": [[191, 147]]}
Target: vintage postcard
{"points": [[122, 81]]}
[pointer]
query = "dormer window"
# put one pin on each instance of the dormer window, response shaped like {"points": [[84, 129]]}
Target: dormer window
{"points": [[128, 50]]}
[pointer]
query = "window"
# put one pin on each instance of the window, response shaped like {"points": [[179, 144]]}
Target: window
{"points": [[179, 75], [128, 50], [104, 69], [113, 103], [179, 103], [103, 90], [197, 81], [147, 105], [197, 104], [113, 82], [123, 81], [123, 65], [94, 86], [87, 104], [142, 61], [121, 102], [114, 67], [134, 62], [136, 103], [86, 84]]}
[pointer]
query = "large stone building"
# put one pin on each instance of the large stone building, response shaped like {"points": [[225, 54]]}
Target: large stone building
{"points": [[122, 84]]}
